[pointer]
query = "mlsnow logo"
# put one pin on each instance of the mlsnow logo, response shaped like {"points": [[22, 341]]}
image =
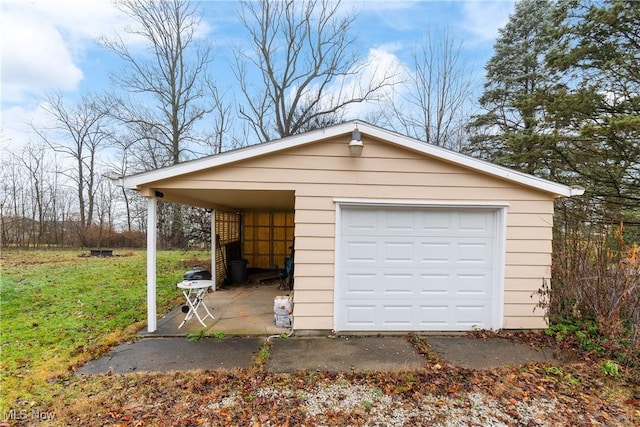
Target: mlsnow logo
{"points": [[33, 414]]}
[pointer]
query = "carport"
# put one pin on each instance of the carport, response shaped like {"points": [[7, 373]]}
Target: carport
{"points": [[252, 232]]}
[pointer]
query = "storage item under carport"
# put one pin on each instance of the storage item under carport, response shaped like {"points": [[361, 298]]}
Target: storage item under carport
{"points": [[238, 270], [282, 309], [197, 273]]}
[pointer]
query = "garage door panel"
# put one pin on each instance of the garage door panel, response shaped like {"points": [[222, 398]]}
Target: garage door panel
{"points": [[434, 316], [356, 285], [382, 284], [435, 252], [434, 284], [398, 252], [397, 222], [445, 316], [475, 223], [397, 315], [359, 221], [415, 269], [367, 286], [456, 251], [397, 283], [472, 316], [434, 223], [360, 316], [361, 251], [452, 317], [473, 285], [474, 252]]}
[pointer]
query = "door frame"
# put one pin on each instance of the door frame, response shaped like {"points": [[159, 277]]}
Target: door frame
{"points": [[499, 257]]}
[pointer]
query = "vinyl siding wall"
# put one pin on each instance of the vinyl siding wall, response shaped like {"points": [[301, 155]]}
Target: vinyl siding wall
{"points": [[320, 172]]}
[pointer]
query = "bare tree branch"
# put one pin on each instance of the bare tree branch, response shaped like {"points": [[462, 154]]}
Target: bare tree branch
{"points": [[432, 104], [302, 55], [168, 79], [79, 132]]}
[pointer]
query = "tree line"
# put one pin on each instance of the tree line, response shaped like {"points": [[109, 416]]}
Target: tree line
{"points": [[561, 100]]}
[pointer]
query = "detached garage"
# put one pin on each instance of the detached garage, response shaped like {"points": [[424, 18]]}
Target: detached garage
{"points": [[391, 234]]}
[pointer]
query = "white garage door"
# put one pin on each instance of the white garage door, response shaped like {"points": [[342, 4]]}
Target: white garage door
{"points": [[415, 269]]}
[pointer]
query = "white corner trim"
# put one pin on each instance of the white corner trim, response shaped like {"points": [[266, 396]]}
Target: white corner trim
{"points": [[337, 266], [497, 321]]}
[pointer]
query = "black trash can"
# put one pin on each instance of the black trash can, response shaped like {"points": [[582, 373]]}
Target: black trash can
{"points": [[238, 270]]}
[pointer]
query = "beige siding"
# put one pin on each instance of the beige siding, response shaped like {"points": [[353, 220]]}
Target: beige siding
{"points": [[525, 322], [320, 172]]}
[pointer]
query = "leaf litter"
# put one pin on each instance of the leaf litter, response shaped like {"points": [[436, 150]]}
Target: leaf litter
{"points": [[437, 395]]}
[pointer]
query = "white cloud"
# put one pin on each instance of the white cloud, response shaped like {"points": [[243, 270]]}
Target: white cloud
{"points": [[484, 18], [34, 58], [43, 43], [381, 65], [15, 126]]}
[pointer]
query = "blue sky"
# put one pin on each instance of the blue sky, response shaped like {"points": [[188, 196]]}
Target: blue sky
{"points": [[49, 44]]}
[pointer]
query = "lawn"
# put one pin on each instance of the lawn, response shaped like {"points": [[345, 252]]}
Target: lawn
{"points": [[62, 308]]}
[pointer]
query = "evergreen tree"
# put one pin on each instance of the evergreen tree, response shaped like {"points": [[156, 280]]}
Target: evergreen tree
{"points": [[512, 130], [562, 101], [599, 54]]}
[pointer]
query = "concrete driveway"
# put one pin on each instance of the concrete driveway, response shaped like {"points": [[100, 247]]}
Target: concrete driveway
{"points": [[336, 354]]}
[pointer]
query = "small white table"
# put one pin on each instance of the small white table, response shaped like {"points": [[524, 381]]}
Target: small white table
{"points": [[195, 292]]}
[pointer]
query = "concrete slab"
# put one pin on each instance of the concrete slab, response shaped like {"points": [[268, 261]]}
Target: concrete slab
{"points": [[337, 354], [174, 354], [487, 353], [343, 354], [239, 310]]}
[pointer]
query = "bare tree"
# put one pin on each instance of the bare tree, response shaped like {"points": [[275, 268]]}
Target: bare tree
{"points": [[79, 132], [433, 103], [32, 161], [169, 77], [30, 192], [303, 59], [222, 123], [169, 80], [13, 189]]}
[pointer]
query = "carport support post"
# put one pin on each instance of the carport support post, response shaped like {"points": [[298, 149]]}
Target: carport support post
{"points": [[214, 249], [152, 227]]}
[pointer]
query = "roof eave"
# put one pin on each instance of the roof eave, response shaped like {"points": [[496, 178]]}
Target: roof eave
{"points": [[143, 179], [560, 190]]}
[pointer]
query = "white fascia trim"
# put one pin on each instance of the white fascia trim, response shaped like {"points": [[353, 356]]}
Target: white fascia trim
{"points": [[196, 165], [421, 203], [133, 181], [470, 162]]}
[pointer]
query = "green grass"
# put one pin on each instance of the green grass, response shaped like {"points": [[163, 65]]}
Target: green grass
{"points": [[59, 309]]}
